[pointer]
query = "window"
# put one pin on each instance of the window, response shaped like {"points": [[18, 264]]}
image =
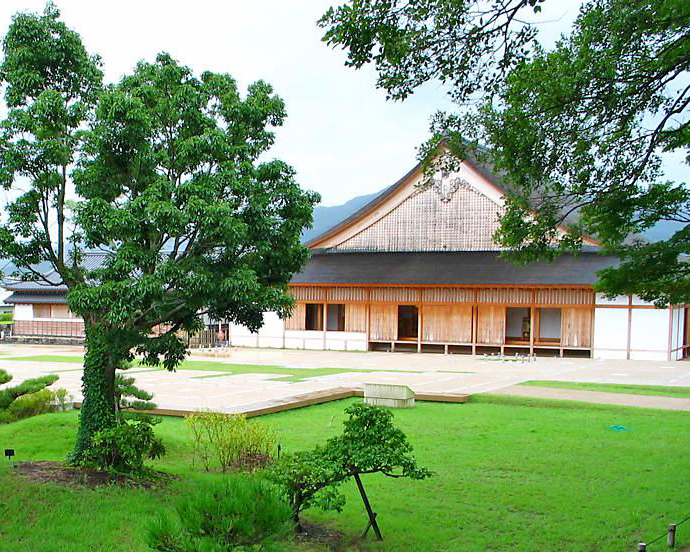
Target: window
{"points": [[335, 318], [314, 316], [408, 318], [41, 311]]}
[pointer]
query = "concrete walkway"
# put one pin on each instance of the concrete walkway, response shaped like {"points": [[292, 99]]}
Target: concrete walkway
{"points": [[424, 373], [619, 399]]}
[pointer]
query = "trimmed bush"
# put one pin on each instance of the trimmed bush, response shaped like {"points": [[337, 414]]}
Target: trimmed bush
{"points": [[124, 447], [241, 513], [29, 405], [27, 399], [4, 377], [230, 441], [8, 395]]}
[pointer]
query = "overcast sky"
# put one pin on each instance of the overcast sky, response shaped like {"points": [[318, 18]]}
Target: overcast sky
{"points": [[341, 135]]}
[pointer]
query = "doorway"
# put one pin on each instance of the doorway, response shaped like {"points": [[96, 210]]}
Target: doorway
{"points": [[408, 322]]}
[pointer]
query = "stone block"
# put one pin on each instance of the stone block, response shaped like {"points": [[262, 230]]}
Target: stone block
{"points": [[392, 396]]}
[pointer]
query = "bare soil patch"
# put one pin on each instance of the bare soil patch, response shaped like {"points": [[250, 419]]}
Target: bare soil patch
{"points": [[314, 534], [59, 472]]}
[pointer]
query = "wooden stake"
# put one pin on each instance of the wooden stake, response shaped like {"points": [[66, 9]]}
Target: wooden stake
{"points": [[371, 514], [671, 540]]}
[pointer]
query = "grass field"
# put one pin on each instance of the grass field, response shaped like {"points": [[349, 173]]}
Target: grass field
{"points": [[658, 390], [510, 475]]}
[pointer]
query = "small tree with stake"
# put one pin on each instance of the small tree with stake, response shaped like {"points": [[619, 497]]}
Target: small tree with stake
{"points": [[370, 443]]}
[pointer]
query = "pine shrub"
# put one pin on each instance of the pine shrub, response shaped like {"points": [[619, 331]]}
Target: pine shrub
{"points": [[241, 513]]}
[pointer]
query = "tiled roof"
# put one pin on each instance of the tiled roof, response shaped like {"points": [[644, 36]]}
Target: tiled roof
{"points": [[37, 298], [448, 268]]}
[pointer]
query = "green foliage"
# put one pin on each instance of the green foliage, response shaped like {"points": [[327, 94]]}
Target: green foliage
{"points": [[4, 377], [468, 44], [27, 399], [6, 317], [529, 460], [9, 394], [124, 447], [61, 398], [25, 406], [169, 186], [576, 132], [129, 396], [370, 443], [239, 514], [310, 478], [229, 439]]}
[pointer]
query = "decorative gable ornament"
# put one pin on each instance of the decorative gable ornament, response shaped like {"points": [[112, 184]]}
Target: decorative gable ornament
{"points": [[446, 186]]}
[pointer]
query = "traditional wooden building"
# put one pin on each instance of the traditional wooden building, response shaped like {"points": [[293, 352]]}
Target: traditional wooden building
{"points": [[416, 269]]}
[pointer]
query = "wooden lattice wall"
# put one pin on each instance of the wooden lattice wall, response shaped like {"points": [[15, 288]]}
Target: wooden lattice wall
{"points": [[425, 223]]}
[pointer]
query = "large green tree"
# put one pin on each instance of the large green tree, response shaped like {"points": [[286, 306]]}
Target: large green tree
{"points": [[576, 131], [164, 175]]}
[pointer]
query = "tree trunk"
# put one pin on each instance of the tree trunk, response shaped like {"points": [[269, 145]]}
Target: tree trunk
{"points": [[98, 388]]}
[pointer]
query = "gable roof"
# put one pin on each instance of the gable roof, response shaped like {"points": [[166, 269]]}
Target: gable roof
{"points": [[490, 180], [366, 208]]}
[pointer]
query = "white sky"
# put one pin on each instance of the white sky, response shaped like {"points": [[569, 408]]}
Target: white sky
{"points": [[341, 135]]}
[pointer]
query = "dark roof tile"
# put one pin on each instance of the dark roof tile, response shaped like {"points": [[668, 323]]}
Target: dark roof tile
{"points": [[448, 268]]}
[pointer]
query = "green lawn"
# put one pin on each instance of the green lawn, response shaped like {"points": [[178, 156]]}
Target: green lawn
{"points": [[289, 374], [660, 390], [511, 474], [72, 359]]}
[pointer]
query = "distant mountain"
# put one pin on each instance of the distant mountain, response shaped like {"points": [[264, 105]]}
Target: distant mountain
{"points": [[327, 217], [662, 230]]}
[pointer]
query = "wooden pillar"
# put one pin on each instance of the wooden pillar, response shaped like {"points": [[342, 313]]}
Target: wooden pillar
{"points": [[325, 316], [670, 331], [475, 315], [531, 323], [627, 348], [591, 326], [420, 322], [368, 316]]}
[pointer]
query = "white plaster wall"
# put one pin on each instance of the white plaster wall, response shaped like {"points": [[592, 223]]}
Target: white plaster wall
{"points": [[636, 300], [677, 331], [273, 326], [269, 335], [610, 333], [335, 341], [23, 312], [675, 324], [618, 300], [346, 341], [649, 334], [550, 324]]}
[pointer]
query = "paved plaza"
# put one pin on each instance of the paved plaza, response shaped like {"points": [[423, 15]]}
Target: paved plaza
{"points": [[424, 373]]}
